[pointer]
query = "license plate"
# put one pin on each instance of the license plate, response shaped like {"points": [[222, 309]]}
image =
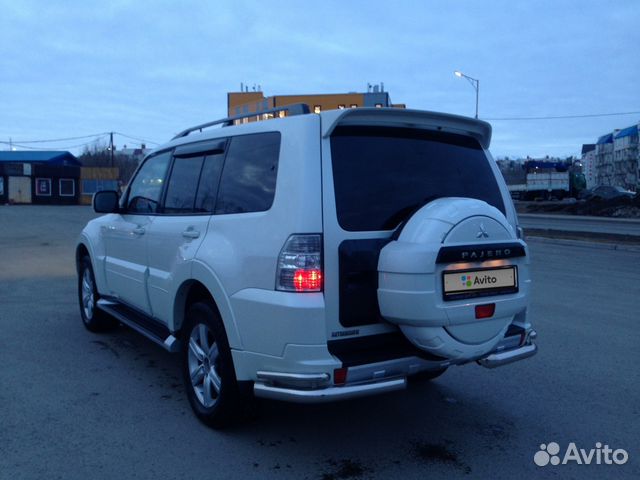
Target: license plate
{"points": [[479, 282]]}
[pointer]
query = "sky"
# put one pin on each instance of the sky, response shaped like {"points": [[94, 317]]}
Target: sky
{"points": [[149, 69]]}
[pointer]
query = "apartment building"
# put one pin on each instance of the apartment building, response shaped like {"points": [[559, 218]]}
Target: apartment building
{"points": [[625, 158], [588, 161], [604, 160], [246, 102], [617, 159]]}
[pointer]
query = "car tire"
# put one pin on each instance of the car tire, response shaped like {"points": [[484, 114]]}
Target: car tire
{"points": [[94, 319], [207, 368]]}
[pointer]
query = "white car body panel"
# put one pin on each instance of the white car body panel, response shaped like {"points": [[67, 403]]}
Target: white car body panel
{"points": [[170, 256], [126, 258], [150, 262]]}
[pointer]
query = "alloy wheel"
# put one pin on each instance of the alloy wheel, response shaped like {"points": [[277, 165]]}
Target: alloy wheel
{"points": [[203, 358]]}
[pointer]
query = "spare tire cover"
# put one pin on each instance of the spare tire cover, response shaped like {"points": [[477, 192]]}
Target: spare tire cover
{"points": [[409, 280]]}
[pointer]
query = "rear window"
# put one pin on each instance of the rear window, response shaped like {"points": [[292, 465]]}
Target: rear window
{"points": [[382, 174]]}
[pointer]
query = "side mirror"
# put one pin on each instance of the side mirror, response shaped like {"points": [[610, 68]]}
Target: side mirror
{"points": [[105, 201]]}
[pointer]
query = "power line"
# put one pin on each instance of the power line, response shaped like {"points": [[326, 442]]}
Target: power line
{"points": [[62, 139], [28, 147], [559, 117], [95, 135], [136, 138]]}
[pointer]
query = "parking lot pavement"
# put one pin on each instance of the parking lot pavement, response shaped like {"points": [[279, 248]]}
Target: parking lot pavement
{"points": [[81, 405], [38, 241]]}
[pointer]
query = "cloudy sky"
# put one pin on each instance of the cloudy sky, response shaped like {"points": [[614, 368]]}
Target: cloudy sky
{"points": [[149, 69]]}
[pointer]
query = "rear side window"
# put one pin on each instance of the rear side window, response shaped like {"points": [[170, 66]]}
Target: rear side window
{"points": [[209, 180], [248, 180], [383, 174]]}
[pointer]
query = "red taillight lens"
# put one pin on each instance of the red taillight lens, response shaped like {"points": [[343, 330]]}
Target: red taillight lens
{"points": [[340, 376], [307, 280], [485, 311], [300, 264]]}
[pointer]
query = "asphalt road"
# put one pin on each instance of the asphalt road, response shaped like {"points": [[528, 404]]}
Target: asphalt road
{"points": [[80, 405]]}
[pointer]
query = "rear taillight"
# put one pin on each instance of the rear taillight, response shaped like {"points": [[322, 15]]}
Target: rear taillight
{"points": [[300, 264], [340, 376], [485, 311]]}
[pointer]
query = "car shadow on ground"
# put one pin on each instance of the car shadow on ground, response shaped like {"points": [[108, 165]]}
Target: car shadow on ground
{"points": [[433, 424]]}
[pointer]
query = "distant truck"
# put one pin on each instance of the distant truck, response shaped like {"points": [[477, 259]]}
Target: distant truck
{"points": [[549, 181]]}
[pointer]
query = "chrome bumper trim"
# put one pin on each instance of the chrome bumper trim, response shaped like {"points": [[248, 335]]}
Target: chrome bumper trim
{"points": [[304, 380], [508, 356], [329, 394]]}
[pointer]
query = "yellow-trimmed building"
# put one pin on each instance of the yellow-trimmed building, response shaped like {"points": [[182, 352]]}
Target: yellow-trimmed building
{"points": [[247, 102]]}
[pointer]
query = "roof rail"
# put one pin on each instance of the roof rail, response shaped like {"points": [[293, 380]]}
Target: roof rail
{"points": [[294, 109]]}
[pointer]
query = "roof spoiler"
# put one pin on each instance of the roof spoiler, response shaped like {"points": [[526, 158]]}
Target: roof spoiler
{"points": [[478, 129]]}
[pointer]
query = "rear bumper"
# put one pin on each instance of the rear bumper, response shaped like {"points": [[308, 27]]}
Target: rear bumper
{"points": [[329, 394], [509, 356], [381, 377]]}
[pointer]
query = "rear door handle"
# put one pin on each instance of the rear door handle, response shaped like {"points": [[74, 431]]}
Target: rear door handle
{"points": [[189, 233], [139, 230]]}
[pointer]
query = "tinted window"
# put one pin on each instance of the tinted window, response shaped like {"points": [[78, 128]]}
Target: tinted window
{"points": [[209, 181], [145, 190], [67, 187], [183, 183], [382, 175], [249, 176]]}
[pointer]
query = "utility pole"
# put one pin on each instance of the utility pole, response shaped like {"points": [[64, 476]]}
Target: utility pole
{"points": [[111, 147]]}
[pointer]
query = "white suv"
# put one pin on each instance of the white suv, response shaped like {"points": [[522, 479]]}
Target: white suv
{"points": [[312, 257]]}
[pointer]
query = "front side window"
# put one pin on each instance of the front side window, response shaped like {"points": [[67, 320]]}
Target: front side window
{"points": [[383, 174], [248, 182], [146, 187], [183, 183]]}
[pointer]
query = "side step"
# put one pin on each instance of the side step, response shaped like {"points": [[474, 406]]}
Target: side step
{"points": [[142, 324]]}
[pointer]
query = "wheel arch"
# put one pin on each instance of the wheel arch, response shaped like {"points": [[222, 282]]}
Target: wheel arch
{"points": [[81, 251], [204, 286]]}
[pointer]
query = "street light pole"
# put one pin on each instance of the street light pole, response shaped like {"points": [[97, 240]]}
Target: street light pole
{"points": [[475, 83]]}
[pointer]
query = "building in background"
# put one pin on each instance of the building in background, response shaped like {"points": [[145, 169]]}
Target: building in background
{"points": [[604, 160], [136, 154], [95, 179], [41, 177], [625, 158], [617, 159], [247, 102], [589, 164]]}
